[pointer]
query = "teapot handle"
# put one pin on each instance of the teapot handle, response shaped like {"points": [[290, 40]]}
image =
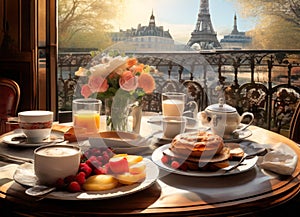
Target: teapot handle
{"points": [[251, 121]]}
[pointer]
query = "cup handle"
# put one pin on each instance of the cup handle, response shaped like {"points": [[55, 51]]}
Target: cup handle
{"points": [[194, 112], [251, 121]]}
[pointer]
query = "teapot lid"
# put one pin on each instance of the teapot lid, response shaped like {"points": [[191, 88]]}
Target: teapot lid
{"points": [[221, 107]]}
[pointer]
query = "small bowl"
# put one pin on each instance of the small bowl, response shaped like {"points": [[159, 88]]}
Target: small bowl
{"points": [[36, 124]]}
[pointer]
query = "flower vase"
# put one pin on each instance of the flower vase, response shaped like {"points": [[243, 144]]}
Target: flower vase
{"points": [[117, 111], [116, 115]]}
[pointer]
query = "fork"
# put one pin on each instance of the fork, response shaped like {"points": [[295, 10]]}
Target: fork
{"points": [[228, 169]]}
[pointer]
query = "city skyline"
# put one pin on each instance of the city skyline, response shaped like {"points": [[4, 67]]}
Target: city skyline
{"points": [[180, 16]]}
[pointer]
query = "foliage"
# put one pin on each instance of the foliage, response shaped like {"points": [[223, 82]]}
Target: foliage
{"points": [[278, 22], [83, 23]]}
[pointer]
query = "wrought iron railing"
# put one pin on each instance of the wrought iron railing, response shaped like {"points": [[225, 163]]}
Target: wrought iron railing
{"points": [[265, 82]]}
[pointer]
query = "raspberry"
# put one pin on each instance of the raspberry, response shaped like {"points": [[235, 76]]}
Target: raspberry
{"points": [[69, 179], [86, 169], [80, 178], [93, 163], [100, 158], [74, 187], [175, 164], [105, 157], [165, 159], [60, 184], [100, 170]]}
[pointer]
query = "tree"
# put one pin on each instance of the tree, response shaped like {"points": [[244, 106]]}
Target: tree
{"points": [[84, 23], [278, 22]]}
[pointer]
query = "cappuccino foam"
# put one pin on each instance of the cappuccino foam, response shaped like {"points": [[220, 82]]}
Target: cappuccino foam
{"points": [[57, 151]]}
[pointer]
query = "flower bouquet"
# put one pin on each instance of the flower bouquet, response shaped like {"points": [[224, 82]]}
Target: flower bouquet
{"points": [[118, 82]]}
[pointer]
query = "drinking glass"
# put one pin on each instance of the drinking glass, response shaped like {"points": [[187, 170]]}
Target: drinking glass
{"points": [[86, 114], [173, 103]]}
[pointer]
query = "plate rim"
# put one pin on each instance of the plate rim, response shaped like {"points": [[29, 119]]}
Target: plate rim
{"points": [[157, 153], [151, 177], [18, 144]]}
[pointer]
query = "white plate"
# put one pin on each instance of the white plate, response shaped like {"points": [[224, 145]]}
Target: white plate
{"points": [[19, 139], [245, 166], [24, 175]]}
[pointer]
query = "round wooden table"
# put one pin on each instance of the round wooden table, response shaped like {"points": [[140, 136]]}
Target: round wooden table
{"points": [[254, 192]]}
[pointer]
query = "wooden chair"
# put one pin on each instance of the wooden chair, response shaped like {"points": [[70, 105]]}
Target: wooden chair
{"points": [[295, 125], [195, 92], [9, 101]]}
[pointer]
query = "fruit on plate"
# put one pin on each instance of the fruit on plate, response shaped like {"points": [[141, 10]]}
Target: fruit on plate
{"points": [[118, 165], [101, 169], [100, 183], [129, 178], [132, 159]]}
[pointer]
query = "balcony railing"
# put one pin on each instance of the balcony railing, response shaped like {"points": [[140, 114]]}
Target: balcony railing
{"points": [[264, 82]]}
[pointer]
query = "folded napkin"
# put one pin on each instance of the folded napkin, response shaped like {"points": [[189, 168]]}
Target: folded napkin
{"points": [[7, 173], [281, 159]]}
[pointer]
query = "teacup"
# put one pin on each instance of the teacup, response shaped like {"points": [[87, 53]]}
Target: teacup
{"points": [[173, 126], [36, 124], [52, 162]]}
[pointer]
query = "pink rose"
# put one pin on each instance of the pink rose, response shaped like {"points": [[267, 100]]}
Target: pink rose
{"points": [[86, 91], [146, 82], [128, 81], [98, 84]]}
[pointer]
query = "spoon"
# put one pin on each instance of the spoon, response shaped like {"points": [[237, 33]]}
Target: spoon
{"points": [[39, 190]]}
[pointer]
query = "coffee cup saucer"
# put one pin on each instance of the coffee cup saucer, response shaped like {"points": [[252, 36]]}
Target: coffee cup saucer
{"points": [[19, 139], [161, 137]]}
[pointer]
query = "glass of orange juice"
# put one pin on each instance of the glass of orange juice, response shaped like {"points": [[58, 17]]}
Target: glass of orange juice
{"points": [[86, 114]]}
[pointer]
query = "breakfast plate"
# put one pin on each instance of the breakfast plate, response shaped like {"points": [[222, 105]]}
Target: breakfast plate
{"points": [[25, 176], [245, 166], [19, 139]]}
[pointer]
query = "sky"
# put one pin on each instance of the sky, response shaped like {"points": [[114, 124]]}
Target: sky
{"points": [[180, 16]]}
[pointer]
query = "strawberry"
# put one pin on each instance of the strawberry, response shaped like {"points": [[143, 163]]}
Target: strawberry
{"points": [[74, 187]]}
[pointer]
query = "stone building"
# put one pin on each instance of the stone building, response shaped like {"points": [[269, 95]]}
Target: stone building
{"points": [[144, 38], [236, 39]]}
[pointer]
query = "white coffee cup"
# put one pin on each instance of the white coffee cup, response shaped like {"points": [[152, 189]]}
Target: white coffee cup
{"points": [[52, 162], [173, 126], [36, 124]]}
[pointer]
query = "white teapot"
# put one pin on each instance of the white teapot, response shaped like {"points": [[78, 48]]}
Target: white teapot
{"points": [[223, 119]]}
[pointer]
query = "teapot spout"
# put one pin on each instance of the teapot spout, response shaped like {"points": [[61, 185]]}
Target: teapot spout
{"points": [[203, 118]]}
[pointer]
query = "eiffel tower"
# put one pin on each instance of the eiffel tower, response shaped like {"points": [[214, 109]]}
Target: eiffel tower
{"points": [[204, 33]]}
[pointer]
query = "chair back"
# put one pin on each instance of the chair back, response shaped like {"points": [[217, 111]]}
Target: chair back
{"points": [[9, 101], [294, 133]]}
